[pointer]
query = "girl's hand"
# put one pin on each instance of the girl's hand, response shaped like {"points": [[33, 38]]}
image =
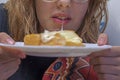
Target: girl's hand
{"points": [[106, 63], [5, 38], [9, 57]]}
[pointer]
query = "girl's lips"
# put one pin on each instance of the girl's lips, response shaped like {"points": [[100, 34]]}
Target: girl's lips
{"points": [[61, 18], [61, 21]]}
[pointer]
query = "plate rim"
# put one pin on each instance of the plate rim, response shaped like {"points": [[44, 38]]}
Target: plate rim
{"points": [[64, 51]]}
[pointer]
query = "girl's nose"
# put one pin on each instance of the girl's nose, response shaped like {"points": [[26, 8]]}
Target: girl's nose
{"points": [[62, 4]]}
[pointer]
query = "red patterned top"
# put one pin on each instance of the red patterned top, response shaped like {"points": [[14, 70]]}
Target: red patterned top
{"points": [[70, 69]]}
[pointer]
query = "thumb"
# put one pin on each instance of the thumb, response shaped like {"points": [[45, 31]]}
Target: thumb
{"points": [[102, 39]]}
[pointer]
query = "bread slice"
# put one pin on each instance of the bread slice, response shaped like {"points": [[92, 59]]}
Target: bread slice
{"points": [[65, 38], [72, 39], [32, 39]]}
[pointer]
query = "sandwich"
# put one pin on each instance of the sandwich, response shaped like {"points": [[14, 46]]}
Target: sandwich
{"points": [[61, 38]]}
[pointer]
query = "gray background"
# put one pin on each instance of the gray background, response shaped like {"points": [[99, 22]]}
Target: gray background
{"points": [[3, 1]]}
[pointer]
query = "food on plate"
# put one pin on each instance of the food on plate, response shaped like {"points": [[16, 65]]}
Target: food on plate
{"points": [[32, 39], [64, 37]]}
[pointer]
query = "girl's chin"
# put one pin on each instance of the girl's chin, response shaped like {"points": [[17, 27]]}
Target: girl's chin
{"points": [[54, 29]]}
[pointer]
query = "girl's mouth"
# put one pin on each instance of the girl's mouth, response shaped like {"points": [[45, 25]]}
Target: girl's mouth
{"points": [[61, 19]]}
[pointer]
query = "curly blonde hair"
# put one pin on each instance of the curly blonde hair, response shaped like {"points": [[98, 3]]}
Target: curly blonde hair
{"points": [[23, 20], [90, 27]]}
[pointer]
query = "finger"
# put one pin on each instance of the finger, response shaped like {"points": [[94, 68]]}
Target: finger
{"points": [[5, 38], [102, 39], [107, 69], [12, 52], [6, 70], [101, 53], [116, 49], [113, 52], [105, 61], [6, 60], [108, 77]]}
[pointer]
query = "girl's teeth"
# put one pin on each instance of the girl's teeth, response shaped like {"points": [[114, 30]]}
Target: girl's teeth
{"points": [[61, 17]]}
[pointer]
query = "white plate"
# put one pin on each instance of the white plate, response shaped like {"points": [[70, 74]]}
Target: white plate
{"points": [[58, 51]]}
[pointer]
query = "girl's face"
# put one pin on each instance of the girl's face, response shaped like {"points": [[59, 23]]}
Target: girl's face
{"points": [[52, 14]]}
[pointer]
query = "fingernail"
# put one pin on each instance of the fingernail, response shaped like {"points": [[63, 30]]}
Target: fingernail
{"points": [[101, 41]]}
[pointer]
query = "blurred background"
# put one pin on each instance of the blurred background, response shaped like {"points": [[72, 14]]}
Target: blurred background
{"points": [[113, 28], [3, 1]]}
